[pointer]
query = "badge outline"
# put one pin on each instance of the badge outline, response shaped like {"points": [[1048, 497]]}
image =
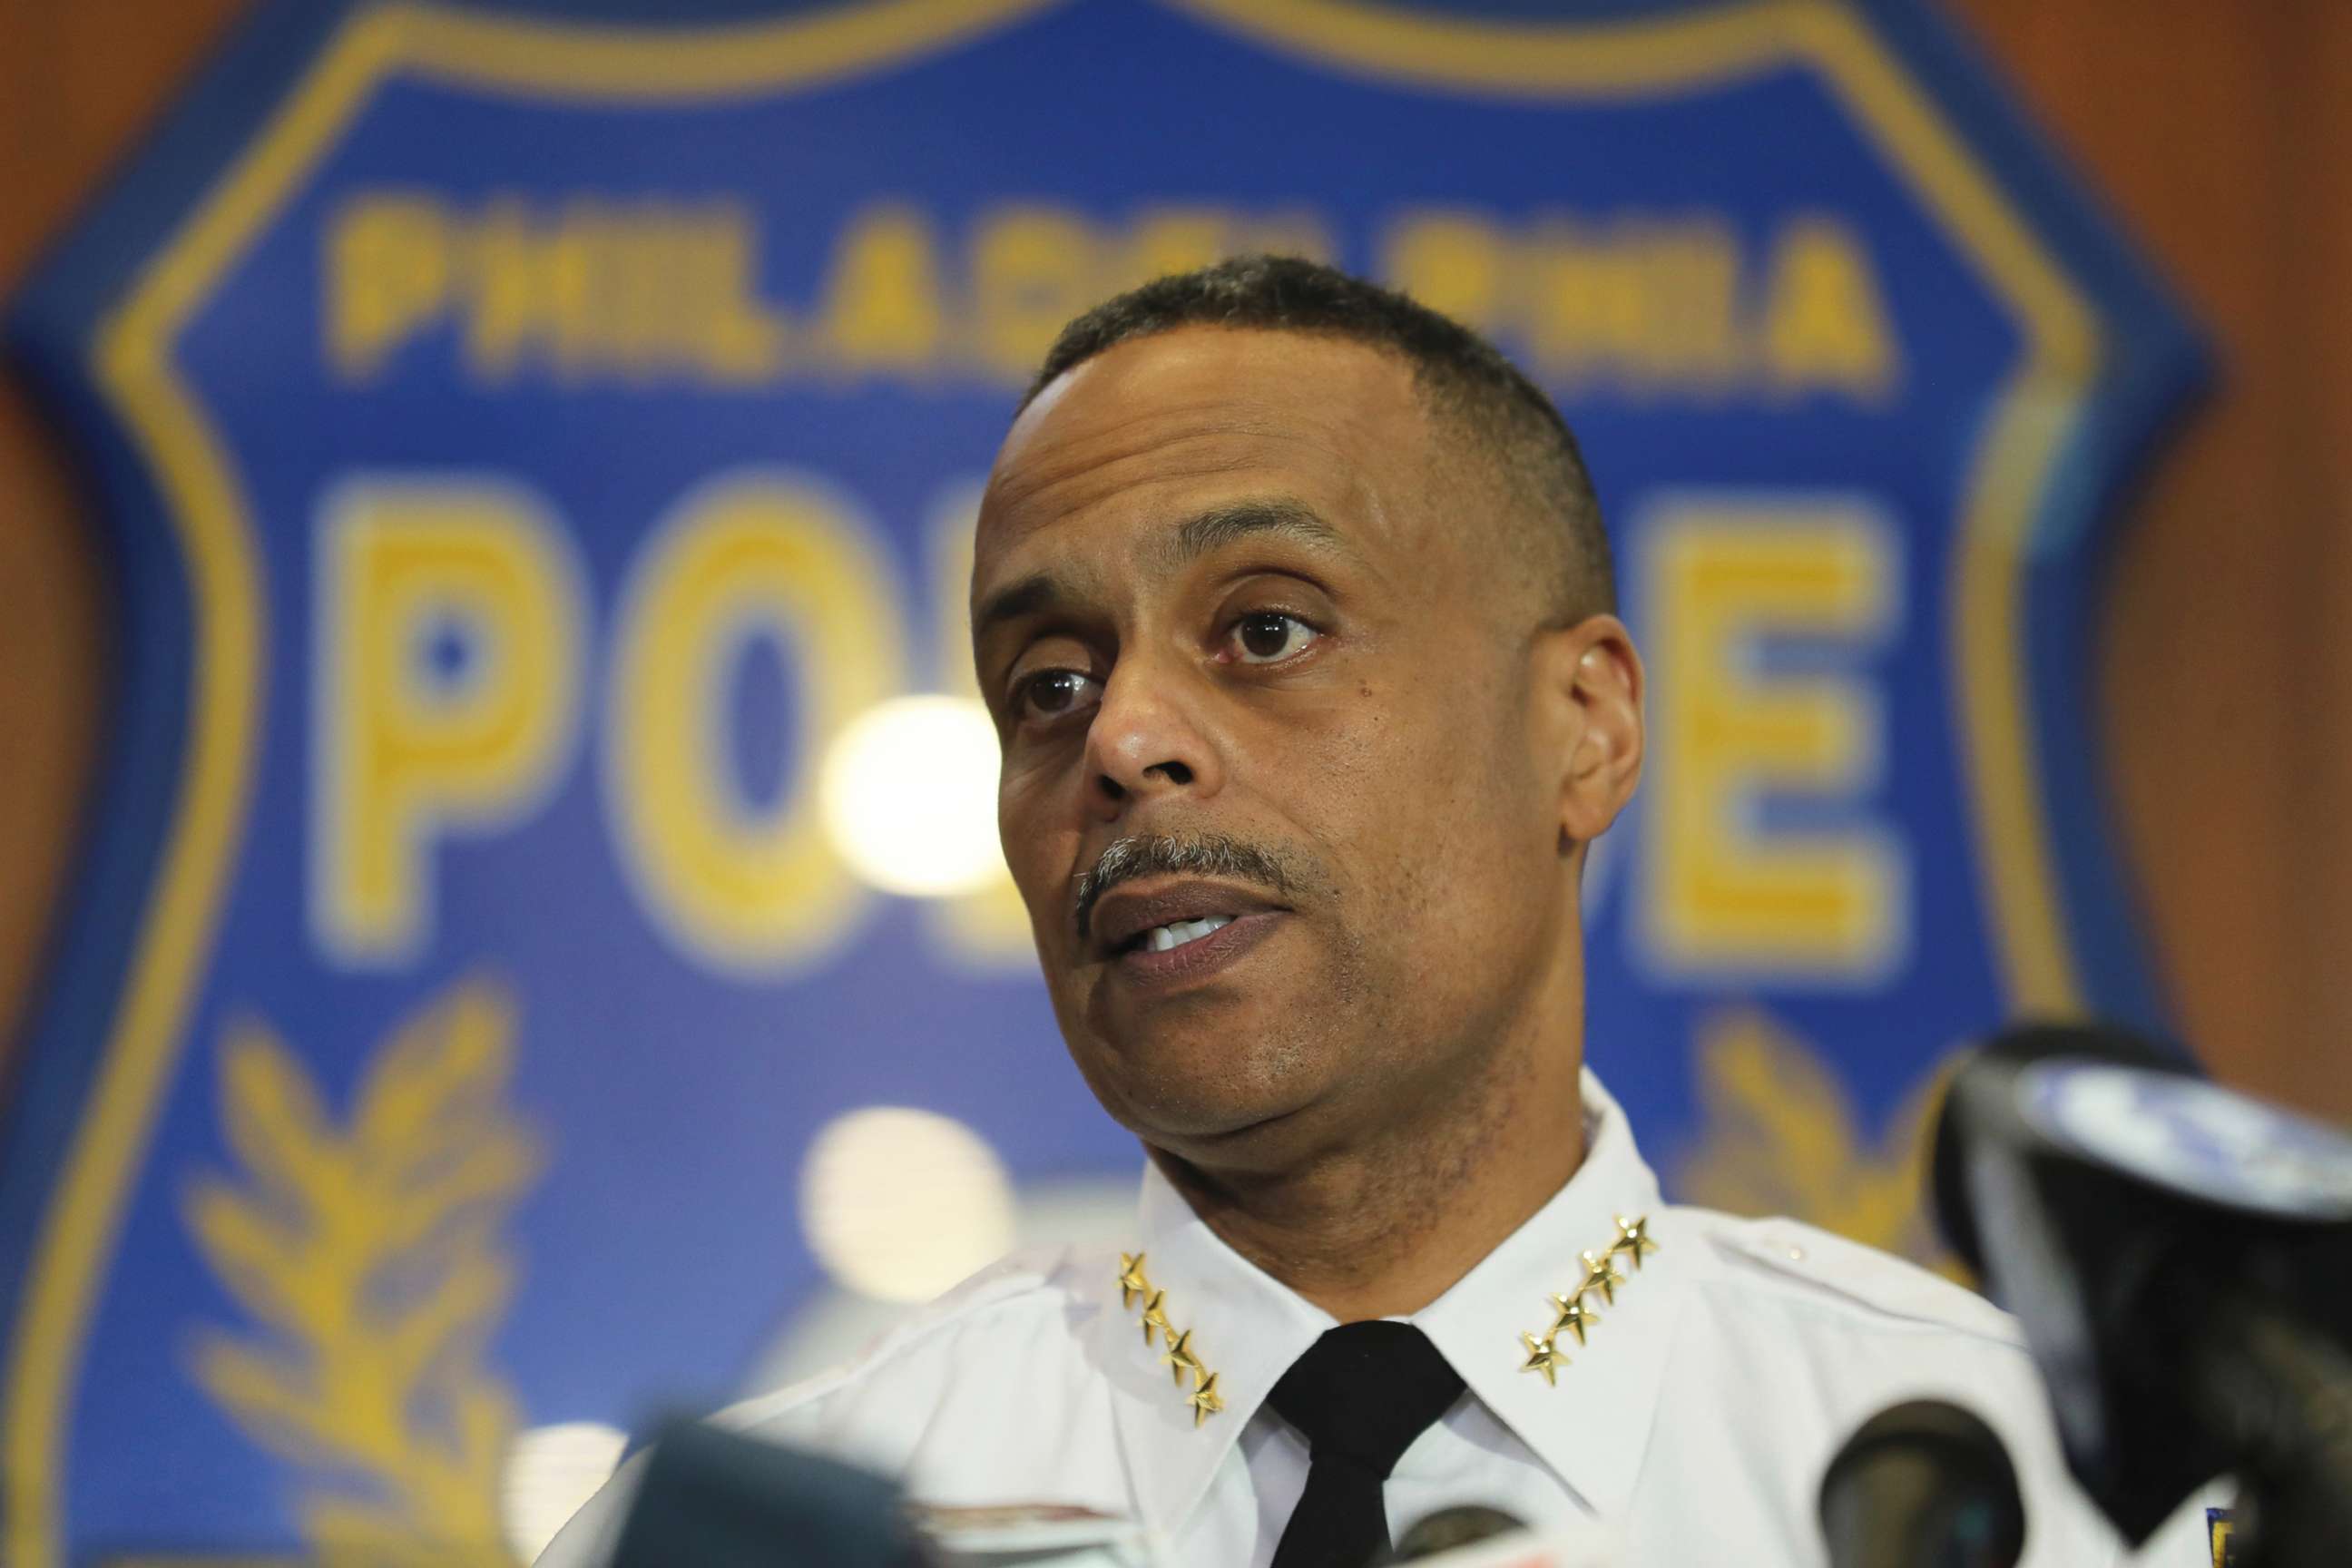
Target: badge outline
{"points": [[128, 279]]}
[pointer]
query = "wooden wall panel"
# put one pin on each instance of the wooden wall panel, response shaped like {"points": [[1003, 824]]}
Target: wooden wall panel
{"points": [[2220, 137], [50, 693], [2323, 130], [78, 84], [2219, 134]]}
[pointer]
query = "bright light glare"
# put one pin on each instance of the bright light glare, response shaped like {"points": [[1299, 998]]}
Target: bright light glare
{"points": [[549, 1472], [909, 794], [900, 1203]]}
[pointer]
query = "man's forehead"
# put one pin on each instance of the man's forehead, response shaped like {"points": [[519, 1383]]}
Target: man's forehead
{"points": [[1198, 403]]}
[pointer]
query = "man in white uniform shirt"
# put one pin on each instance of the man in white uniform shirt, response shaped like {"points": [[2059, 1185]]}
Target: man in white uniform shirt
{"points": [[1292, 605]]}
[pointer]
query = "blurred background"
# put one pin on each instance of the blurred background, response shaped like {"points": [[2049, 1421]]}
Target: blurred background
{"points": [[501, 931]]}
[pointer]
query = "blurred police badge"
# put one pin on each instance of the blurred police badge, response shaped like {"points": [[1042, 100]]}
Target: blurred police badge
{"points": [[540, 950]]}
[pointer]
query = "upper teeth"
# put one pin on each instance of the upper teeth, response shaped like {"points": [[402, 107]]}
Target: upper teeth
{"points": [[1160, 939]]}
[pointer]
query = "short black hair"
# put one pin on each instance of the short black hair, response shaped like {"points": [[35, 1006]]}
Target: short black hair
{"points": [[1460, 375]]}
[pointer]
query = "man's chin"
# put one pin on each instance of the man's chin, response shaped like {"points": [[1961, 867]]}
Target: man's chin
{"points": [[1219, 1060], [1232, 1140], [1199, 1096]]}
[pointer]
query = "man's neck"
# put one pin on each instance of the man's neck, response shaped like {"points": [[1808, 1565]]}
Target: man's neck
{"points": [[1382, 1227]]}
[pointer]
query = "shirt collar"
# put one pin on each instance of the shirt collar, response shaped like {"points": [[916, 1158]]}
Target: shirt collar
{"points": [[1246, 1327], [1590, 1425], [1591, 1422]]}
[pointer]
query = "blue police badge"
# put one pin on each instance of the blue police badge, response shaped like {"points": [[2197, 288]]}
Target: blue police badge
{"points": [[2221, 1536], [537, 446]]}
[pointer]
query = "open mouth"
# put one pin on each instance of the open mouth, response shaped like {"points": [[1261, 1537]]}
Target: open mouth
{"points": [[1156, 932], [1175, 934], [1191, 948]]}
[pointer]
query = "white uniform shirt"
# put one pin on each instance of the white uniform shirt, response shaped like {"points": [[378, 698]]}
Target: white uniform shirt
{"points": [[1693, 1422]]}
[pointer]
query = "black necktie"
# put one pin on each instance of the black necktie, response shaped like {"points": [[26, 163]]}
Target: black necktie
{"points": [[1360, 1394]]}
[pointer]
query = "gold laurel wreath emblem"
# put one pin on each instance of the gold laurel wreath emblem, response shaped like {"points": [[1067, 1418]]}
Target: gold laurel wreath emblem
{"points": [[1779, 1135], [370, 1255]]}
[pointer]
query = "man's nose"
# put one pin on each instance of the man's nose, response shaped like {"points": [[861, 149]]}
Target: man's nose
{"points": [[1146, 739]]}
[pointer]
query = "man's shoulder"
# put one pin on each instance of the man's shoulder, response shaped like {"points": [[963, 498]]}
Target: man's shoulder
{"points": [[1014, 1326], [1805, 1272], [1819, 1333], [958, 1373]]}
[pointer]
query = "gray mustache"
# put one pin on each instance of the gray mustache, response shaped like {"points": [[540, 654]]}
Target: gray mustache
{"points": [[1201, 855]]}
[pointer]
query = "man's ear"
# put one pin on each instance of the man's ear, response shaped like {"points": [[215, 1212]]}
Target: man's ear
{"points": [[1593, 683]]}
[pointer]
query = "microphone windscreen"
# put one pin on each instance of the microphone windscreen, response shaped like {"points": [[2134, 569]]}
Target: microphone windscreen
{"points": [[1923, 1482], [715, 1497], [1448, 1528], [1999, 1058]]}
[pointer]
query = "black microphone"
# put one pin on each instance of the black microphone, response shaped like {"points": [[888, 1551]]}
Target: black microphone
{"points": [[1923, 1485], [715, 1499], [2180, 1257], [1465, 1524]]}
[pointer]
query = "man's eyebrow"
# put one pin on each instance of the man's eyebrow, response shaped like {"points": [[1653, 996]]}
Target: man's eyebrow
{"points": [[1038, 591], [1222, 525], [1189, 541]]}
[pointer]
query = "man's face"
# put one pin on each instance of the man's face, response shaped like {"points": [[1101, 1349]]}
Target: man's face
{"points": [[1237, 597]]}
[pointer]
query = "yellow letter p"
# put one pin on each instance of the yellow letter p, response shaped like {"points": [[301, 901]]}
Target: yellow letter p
{"points": [[446, 692]]}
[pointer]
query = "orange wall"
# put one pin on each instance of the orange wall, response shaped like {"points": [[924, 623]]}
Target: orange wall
{"points": [[2219, 134], [77, 83]]}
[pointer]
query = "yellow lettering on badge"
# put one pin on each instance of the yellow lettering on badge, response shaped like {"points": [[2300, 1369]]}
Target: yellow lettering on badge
{"points": [[526, 288], [1454, 263], [1724, 889], [1647, 302], [988, 928], [631, 291], [1033, 269], [1825, 323], [1587, 305], [635, 293], [1298, 232], [756, 555], [1690, 331], [1168, 240], [388, 276], [1650, 304], [883, 308], [448, 623], [732, 335]]}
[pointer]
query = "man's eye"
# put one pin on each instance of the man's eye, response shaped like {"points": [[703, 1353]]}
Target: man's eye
{"points": [[1050, 693], [1268, 637]]}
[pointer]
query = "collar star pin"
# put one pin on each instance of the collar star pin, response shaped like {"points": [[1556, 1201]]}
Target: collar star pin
{"points": [[1633, 1240], [1179, 1358], [1154, 1318], [1131, 1282], [1600, 1273], [1572, 1316], [1543, 1357], [1204, 1399]]}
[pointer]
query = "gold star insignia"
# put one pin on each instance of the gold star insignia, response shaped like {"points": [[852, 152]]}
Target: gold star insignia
{"points": [[1542, 1358], [1633, 1238], [1131, 1282], [1600, 1273], [1572, 1317], [1180, 1358], [1204, 1399], [1153, 1318]]}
